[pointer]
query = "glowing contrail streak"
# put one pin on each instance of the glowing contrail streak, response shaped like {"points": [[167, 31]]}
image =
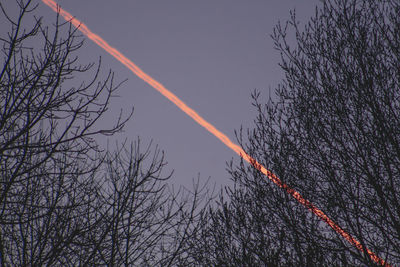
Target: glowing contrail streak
{"points": [[221, 136]]}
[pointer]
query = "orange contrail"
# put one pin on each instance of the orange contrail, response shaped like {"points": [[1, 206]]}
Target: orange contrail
{"points": [[221, 136]]}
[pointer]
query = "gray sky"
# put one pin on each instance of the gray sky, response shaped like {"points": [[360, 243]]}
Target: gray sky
{"points": [[210, 53]]}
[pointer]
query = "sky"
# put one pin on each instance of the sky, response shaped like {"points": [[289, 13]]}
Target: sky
{"points": [[211, 53]]}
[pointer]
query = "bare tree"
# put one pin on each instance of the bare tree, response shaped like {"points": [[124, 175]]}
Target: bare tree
{"points": [[333, 135], [63, 200], [137, 219]]}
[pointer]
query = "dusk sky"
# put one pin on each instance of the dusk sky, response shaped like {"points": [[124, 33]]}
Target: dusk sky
{"points": [[210, 53]]}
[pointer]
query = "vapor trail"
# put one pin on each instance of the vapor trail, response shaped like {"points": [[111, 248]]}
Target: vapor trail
{"points": [[221, 136]]}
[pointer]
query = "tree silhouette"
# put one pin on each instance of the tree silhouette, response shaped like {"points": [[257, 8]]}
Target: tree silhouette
{"points": [[333, 135], [63, 200]]}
